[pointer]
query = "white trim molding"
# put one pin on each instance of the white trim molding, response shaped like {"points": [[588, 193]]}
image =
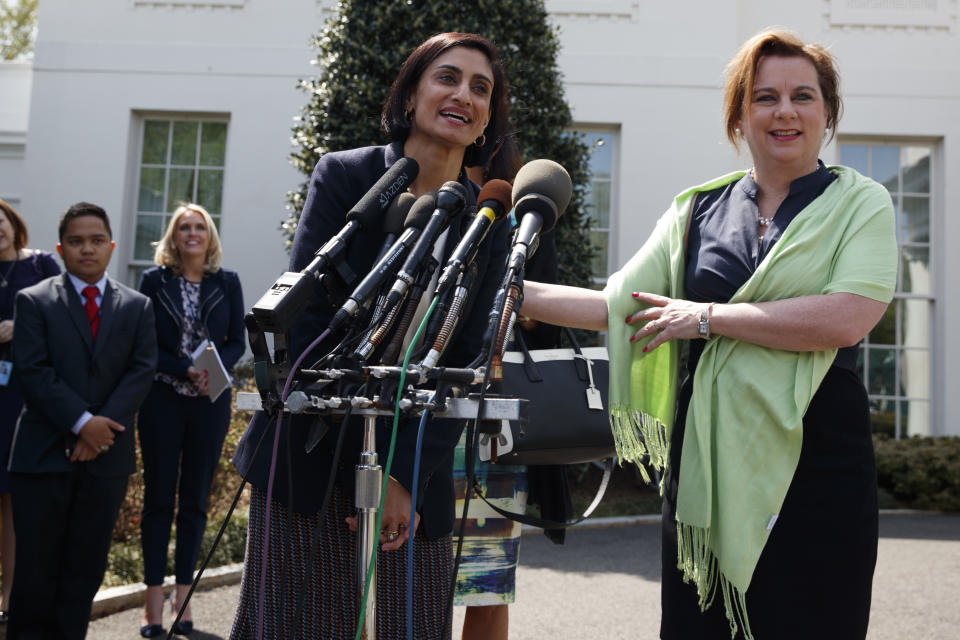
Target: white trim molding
{"points": [[594, 9], [909, 15], [189, 5]]}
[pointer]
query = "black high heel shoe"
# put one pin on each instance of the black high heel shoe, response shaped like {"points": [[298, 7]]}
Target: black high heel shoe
{"points": [[183, 628], [151, 630]]}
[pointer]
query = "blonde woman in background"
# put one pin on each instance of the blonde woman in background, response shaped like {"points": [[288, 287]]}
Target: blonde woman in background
{"points": [[181, 431]]}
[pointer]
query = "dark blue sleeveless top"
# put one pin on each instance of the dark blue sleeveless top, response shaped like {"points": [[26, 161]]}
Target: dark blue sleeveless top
{"points": [[723, 249]]}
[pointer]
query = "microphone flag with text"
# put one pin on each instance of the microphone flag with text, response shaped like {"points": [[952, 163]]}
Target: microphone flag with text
{"points": [[394, 220], [292, 292]]}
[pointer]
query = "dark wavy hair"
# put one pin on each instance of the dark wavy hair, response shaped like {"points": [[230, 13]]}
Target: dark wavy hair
{"points": [[393, 118]]}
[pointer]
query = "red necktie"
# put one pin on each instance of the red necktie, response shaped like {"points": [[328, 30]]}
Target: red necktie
{"points": [[90, 306]]}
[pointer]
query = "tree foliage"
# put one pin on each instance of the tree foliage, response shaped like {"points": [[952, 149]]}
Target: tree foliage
{"points": [[18, 21], [360, 51]]}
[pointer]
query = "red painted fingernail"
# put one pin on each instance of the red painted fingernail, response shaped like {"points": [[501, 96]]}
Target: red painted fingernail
{"points": [[635, 294], [644, 349], [633, 338], [628, 318]]}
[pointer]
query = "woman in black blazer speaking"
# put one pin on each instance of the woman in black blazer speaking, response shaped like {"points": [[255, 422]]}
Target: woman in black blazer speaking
{"points": [[181, 430]]}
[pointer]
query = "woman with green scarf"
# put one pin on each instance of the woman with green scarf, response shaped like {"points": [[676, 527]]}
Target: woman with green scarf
{"points": [[774, 275]]}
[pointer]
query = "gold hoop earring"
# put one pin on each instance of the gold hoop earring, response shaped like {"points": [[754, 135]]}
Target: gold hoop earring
{"points": [[408, 114], [482, 140]]}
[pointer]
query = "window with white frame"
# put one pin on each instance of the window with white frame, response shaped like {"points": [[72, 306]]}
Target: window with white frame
{"points": [[599, 200], [895, 358], [180, 160]]}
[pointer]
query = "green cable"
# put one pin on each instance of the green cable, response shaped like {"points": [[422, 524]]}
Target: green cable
{"points": [[386, 469]]}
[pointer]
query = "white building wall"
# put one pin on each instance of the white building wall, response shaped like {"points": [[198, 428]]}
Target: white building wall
{"points": [[16, 79], [100, 65], [651, 71]]}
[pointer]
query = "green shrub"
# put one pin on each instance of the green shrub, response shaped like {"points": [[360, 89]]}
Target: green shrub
{"points": [[232, 545], [125, 562], [920, 472]]}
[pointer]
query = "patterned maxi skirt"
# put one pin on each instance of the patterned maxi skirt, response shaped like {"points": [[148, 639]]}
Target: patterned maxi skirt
{"points": [[329, 592]]}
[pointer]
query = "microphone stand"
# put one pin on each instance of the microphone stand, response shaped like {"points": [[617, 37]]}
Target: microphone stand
{"points": [[369, 479]]}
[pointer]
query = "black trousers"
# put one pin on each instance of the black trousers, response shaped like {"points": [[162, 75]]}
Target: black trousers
{"points": [[64, 522], [181, 439]]}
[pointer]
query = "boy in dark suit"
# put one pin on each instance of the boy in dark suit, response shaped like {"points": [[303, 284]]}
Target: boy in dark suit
{"points": [[84, 354]]}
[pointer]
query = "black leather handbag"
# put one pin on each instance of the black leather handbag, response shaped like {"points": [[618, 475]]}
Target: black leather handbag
{"points": [[568, 420]]}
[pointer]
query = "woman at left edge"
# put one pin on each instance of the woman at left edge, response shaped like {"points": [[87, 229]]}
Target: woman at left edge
{"points": [[20, 267], [181, 431]]}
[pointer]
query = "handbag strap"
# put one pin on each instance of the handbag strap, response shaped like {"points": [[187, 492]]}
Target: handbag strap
{"points": [[530, 368], [573, 340], [541, 523]]}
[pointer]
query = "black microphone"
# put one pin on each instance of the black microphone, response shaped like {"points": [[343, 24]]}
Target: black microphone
{"points": [[418, 217], [393, 226], [394, 220], [369, 210], [541, 192], [494, 202], [451, 198], [292, 292]]}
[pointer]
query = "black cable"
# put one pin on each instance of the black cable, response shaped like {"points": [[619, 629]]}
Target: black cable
{"points": [[315, 532]]}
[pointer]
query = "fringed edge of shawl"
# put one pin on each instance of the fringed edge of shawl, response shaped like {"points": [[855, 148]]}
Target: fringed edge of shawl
{"points": [[637, 434], [699, 565]]}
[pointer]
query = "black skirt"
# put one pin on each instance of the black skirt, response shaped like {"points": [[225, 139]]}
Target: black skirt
{"points": [[815, 574]]}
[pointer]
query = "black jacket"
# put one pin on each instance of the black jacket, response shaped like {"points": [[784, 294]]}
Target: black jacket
{"points": [[339, 180], [63, 372], [221, 310]]}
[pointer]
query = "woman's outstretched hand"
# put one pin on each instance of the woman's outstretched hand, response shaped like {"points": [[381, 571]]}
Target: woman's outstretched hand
{"points": [[666, 319]]}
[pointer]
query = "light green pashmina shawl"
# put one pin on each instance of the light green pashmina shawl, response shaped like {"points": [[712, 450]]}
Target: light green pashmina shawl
{"points": [[744, 423]]}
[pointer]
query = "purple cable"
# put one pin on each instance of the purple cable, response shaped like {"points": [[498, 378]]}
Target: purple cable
{"points": [[273, 469]]}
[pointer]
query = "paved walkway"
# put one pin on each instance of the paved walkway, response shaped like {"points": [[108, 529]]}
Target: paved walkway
{"points": [[604, 583]]}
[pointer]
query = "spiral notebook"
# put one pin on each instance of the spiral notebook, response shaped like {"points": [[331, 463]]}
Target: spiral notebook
{"points": [[206, 358]]}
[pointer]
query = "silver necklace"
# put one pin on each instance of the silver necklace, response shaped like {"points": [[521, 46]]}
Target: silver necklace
{"points": [[4, 279], [763, 222]]}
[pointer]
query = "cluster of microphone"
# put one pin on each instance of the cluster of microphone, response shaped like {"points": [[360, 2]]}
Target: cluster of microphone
{"points": [[380, 308]]}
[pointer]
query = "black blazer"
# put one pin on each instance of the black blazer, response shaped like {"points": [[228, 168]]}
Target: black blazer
{"points": [[221, 310], [63, 373], [339, 180]]}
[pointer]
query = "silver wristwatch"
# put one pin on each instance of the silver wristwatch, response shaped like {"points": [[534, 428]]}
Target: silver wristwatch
{"points": [[703, 327]]}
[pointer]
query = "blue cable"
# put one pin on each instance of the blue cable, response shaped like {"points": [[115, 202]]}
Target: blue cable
{"points": [[386, 469]]}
